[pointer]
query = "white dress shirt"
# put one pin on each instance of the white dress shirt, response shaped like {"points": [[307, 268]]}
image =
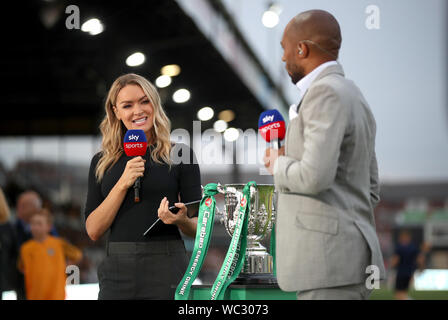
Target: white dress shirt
{"points": [[305, 83]]}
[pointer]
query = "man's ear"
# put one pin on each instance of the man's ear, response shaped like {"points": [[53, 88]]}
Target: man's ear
{"points": [[302, 50]]}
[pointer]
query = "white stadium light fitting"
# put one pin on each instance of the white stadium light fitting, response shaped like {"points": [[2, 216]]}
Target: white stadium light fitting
{"points": [[163, 81], [135, 59], [205, 114], [220, 126], [181, 96], [270, 19], [231, 134], [92, 26]]}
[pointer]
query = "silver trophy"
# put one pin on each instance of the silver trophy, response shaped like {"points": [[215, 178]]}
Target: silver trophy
{"points": [[258, 265]]}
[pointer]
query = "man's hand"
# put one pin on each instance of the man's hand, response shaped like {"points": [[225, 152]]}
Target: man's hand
{"points": [[270, 156]]}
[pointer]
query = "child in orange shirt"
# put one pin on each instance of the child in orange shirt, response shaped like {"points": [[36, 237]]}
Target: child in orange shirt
{"points": [[43, 260]]}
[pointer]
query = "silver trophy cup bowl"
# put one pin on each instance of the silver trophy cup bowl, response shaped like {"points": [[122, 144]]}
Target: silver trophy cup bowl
{"points": [[258, 265]]}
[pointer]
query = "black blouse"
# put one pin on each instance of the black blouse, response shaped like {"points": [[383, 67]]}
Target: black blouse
{"points": [[159, 180]]}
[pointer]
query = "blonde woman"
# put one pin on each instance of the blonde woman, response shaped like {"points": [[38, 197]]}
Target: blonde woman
{"points": [[137, 266], [4, 208], [8, 248]]}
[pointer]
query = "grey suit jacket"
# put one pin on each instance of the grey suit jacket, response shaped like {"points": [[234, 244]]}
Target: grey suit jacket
{"points": [[327, 186]]}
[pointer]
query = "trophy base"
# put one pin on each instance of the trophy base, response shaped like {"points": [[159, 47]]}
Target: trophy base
{"points": [[260, 278], [258, 261], [257, 269]]}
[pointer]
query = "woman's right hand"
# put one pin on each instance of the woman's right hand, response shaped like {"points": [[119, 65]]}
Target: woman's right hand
{"points": [[134, 169], [100, 220]]}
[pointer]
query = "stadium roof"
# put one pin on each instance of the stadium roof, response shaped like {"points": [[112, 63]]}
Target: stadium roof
{"points": [[56, 79]]}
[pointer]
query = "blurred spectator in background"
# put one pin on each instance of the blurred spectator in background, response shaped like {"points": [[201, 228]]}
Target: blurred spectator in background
{"points": [[406, 259], [43, 260], [28, 203], [8, 248]]}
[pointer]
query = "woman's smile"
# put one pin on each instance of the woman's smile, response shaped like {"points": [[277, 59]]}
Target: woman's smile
{"points": [[140, 121]]}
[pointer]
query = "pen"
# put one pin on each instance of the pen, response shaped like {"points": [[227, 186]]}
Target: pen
{"points": [[170, 208]]}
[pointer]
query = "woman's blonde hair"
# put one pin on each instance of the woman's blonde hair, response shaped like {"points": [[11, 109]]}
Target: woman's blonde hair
{"points": [[113, 130], [4, 208]]}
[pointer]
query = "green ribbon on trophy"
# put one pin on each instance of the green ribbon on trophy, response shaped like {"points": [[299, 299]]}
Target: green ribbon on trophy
{"points": [[272, 250], [236, 253], [202, 240]]}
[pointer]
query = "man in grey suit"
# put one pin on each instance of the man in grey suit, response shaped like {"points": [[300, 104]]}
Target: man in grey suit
{"points": [[326, 175]]}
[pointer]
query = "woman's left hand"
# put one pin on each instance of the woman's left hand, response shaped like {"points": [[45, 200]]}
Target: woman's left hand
{"points": [[170, 218]]}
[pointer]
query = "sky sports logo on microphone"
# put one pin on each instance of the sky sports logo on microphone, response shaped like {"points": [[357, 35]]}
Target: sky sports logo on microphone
{"points": [[271, 125], [135, 143], [268, 118], [133, 137]]}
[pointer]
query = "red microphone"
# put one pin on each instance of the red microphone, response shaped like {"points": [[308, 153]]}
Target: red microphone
{"points": [[271, 126], [135, 145]]}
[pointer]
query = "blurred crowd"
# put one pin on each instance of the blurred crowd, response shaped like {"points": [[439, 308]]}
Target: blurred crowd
{"points": [[37, 245]]}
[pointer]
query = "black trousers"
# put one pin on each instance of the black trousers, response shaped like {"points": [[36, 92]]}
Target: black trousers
{"points": [[142, 270], [402, 281]]}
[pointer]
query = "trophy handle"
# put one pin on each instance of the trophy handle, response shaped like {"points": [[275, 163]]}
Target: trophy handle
{"points": [[220, 213], [232, 198], [220, 188]]}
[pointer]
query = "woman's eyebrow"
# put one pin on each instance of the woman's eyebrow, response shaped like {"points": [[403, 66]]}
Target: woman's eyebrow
{"points": [[129, 101]]}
